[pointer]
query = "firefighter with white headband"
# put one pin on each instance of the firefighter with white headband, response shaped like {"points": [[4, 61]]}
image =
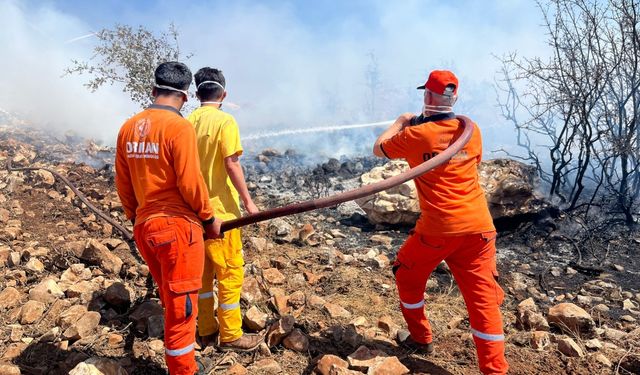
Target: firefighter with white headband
{"points": [[455, 224], [219, 147]]}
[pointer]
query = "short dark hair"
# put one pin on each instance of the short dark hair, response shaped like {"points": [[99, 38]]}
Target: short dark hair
{"points": [[209, 91], [173, 74]]}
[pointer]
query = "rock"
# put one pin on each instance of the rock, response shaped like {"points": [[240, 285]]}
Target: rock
{"points": [[627, 304], [455, 322], [601, 308], [336, 311], [380, 261], [31, 312], [329, 362], [381, 239], [348, 336], [9, 297], [568, 347], [281, 229], [7, 369], [388, 366], [34, 265], [363, 357], [236, 369], [251, 292], [387, 324], [46, 291], [117, 294], [296, 341], [255, 320], [98, 254], [316, 301], [540, 340], [614, 334], [571, 318], [508, 185], [266, 366], [155, 326], [81, 288], [603, 360], [84, 327], [44, 178], [259, 244], [98, 366], [14, 259], [70, 316], [140, 316], [593, 344], [297, 299], [529, 318], [273, 276], [279, 330]]}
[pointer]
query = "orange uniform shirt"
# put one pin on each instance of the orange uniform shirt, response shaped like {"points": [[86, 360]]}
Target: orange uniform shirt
{"points": [[451, 199], [157, 167]]}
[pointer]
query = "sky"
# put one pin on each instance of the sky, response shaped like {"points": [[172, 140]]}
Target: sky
{"points": [[288, 64]]}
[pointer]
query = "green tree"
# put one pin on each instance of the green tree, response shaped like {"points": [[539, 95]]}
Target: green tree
{"points": [[128, 56]]}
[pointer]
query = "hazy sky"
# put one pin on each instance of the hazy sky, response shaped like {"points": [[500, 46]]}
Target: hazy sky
{"points": [[289, 64]]}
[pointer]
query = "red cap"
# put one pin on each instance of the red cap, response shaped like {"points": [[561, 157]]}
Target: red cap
{"points": [[439, 80]]}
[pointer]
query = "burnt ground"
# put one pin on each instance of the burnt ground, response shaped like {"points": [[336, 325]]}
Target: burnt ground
{"points": [[551, 260]]}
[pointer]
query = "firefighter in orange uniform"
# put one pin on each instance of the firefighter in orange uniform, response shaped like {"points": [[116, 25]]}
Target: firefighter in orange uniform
{"points": [[163, 193], [455, 224]]}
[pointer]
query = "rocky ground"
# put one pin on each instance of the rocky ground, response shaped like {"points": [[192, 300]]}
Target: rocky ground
{"points": [[75, 297]]}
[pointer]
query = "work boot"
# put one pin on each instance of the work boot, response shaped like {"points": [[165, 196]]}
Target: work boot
{"points": [[204, 366], [404, 338], [246, 343], [207, 340]]}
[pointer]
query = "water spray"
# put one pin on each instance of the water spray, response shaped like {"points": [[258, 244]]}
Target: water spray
{"points": [[318, 129]]}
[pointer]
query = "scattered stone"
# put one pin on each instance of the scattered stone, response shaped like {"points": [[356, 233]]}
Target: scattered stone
{"points": [[118, 295], [388, 366], [627, 304], [255, 320], [387, 324], [455, 322], [336, 311], [296, 341], [628, 318], [34, 265], [279, 330], [601, 308], [266, 366], [251, 292], [593, 344], [614, 334], [329, 363], [529, 318], [98, 254], [568, 347], [7, 369], [316, 301], [9, 297], [363, 357], [236, 369], [540, 340], [31, 312], [155, 326], [569, 317], [84, 327], [603, 360], [71, 315], [140, 316], [381, 239], [258, 244], [273, 276], [98, 366]]}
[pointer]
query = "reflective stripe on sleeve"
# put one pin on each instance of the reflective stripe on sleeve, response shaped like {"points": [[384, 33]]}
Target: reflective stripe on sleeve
{"points": [[205, 295], [487, 336], [229, 306], [412, 305], [179, 352]]}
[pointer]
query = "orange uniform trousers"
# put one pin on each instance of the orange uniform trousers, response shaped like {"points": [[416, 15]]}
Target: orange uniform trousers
{"points": [[173, 248], [471, 259]]}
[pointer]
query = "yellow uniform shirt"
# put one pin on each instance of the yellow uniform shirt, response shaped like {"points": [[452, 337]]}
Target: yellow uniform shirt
{"points": [[218, 137]]}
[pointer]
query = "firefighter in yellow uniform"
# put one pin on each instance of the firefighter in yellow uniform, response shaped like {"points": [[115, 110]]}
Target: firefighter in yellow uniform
{"points": [[219, 147]]}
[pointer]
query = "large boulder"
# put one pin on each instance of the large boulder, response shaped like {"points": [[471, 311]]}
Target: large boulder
{"points": [[509, 188]]}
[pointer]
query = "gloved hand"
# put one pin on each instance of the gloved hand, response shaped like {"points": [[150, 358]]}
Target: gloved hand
{"points": [[212, 229]]}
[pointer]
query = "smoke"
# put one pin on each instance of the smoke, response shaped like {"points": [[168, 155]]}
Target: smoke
{"points": [[288, 65]]}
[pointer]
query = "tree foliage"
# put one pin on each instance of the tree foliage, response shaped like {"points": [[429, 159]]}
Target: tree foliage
{"points": [[583, 102], [128, 56]]}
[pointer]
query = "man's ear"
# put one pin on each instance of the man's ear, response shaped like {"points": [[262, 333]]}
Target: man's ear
{"points": [[154, 93], [224, 95], [454, 100]]}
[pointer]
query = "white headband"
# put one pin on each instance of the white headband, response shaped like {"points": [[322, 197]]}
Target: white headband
{"points": [[214, 82], [171, 88]]}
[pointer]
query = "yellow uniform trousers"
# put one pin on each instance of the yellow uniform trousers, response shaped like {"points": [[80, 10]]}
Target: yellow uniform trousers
{"points": [[223, 261]]}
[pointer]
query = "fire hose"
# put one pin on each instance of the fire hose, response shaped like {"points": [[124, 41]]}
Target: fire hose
{"points": [[305, 206]]}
